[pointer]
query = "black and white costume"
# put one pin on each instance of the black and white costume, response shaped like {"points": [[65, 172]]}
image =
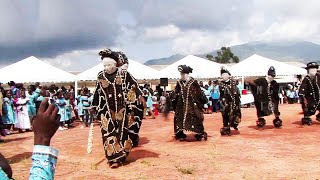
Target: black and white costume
{"points": [[309, 93], [230, 105], [266, 98]]}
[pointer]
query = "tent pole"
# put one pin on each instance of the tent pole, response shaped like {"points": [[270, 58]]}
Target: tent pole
{"points": [[242, 82], [76, 89]]}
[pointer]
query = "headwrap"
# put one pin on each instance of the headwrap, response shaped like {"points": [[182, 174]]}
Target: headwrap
{"points": [[224, 70], [119, 57], [185, 69], [272, 71], [312, 65]]}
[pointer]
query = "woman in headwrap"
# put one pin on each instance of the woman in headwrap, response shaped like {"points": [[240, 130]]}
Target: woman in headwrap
{"points": [[116, 96], [188, 101]]}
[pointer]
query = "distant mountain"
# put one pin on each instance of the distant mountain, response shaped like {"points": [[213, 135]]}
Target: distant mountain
{"points": [[164, 61], [302, 51]]}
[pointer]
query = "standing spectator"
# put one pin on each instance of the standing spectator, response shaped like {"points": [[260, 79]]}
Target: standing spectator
{"points": [[201, 84], [296, 94], [240, 86], [2, 128], [80, 105], [162, 102], [68, 109], [52, 90], [155, 103], [210, 86], [149, 104], [290, 94], [9, 117], [33, 96], [215, 95], [61, 103], [38, 87], [23, 120], [86, 107], [41, 97], [207, 94]]}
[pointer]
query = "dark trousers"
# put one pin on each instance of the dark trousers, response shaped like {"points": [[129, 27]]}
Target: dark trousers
{"points": [[87, 117], [215, 105]]}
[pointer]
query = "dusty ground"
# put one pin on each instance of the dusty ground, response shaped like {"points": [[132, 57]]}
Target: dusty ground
{"points": [[288, 153]]}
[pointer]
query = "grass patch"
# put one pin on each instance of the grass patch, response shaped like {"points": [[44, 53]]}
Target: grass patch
{"points": [[146, 162], [94, 166], [186, 170]]}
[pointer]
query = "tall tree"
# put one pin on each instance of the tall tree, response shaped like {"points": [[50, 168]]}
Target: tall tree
{"points": [[225, 56], [209, 57]]}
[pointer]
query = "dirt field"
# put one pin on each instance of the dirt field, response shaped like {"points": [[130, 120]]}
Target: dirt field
{"points": [[288, 153]]}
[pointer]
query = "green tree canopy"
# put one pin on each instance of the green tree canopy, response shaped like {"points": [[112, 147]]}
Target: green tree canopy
{"points": [[225, 56], [209, 57]]}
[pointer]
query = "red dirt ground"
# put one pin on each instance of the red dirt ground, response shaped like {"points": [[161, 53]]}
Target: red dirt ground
{"points": [[288, 153]]}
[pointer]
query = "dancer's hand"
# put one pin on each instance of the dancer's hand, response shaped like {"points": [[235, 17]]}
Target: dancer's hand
{"points": [[45, 123]]}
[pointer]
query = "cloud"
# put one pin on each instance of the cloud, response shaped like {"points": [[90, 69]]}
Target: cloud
{"points": [[198, 42], [48, 28], [70, 30], [161, 32], [77, 60], [287, 30]]}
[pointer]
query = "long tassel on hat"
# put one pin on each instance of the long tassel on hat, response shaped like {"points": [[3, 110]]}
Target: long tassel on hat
{"points": [[90, 139]]}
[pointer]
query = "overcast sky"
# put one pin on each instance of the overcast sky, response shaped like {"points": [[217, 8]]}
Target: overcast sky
{"points": [[70, 33]]}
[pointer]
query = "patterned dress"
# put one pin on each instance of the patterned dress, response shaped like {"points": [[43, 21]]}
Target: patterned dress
{"points": [[115, 100], [188, 101]]}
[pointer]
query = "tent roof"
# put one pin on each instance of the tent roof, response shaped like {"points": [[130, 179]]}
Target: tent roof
{"points": [[256, 65], [138, 71], [33, 69], [202, 68]]}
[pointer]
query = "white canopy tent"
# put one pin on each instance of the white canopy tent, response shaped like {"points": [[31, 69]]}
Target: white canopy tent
{"points": [[33, 69], [256, 65], [202, 68], [138, 71]]}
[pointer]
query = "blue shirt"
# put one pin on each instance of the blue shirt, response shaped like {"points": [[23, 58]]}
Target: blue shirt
{"points": [[215, 94], [85, 100], [290, 94], [44, 160]]}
